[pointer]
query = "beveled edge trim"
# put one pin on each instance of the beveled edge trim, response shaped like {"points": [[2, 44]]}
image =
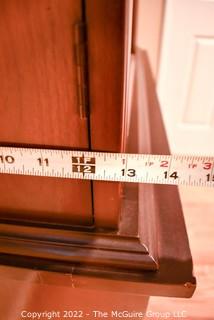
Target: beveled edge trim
{"points": [[96, 239], [171, 276], [160, 205], [147, 283], [111, 250]]}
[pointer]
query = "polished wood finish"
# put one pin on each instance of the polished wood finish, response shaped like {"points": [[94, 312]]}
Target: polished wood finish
{"points": [[39, 106], [106, 24], [197, 203], [119, 252], [40, 291], [160, 204], [149, 255]]}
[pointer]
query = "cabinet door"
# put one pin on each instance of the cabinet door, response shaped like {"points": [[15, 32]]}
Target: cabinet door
{"points": [[39, 106], [106, 38]]}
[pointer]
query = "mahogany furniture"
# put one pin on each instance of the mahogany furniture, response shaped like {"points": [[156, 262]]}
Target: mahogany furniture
{"points": [[57, 91], [62, 86]]}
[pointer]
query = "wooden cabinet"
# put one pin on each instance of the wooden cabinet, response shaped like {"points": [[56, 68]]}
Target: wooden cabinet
{"points": [[64, 88], [57, 57], [106, 38]]}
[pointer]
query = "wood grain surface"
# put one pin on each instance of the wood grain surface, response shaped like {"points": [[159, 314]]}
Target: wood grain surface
{"points": [[198, 206], [38, 105], [105, 21]]}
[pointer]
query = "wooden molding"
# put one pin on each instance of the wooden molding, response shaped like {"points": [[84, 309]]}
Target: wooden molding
{"points": [[149, 253]]}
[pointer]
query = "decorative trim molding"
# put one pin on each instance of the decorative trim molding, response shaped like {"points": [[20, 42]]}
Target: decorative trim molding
{"points": [[149, 253]]}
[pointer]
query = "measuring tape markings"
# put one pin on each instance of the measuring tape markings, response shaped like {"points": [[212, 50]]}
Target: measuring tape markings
{"points": [[123, 167]]}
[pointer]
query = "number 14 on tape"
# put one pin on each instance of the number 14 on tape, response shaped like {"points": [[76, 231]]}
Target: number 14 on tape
{"points": [[124, 167]]}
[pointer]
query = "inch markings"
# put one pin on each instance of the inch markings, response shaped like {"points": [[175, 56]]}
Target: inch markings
{"points": [[124, 167]]}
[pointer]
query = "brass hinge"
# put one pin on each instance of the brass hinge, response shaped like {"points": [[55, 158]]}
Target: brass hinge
{"points": [[80, 37]]}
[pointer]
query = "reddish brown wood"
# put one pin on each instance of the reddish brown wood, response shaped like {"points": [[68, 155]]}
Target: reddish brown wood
{"points": [[38, 291], [105, 21], [38, 105], [118, 261]]}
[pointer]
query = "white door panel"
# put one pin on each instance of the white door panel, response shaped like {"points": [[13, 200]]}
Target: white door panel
{"points": [[186, 75]]}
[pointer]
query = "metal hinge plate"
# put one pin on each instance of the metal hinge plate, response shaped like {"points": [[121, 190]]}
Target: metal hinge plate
{"points": [[80, 36]]}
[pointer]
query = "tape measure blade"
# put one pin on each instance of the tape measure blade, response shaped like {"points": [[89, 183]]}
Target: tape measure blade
{"points": [[122, 167]]}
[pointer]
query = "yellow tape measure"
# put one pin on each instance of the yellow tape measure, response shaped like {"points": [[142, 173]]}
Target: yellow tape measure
{"points": [[123, 167]]}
